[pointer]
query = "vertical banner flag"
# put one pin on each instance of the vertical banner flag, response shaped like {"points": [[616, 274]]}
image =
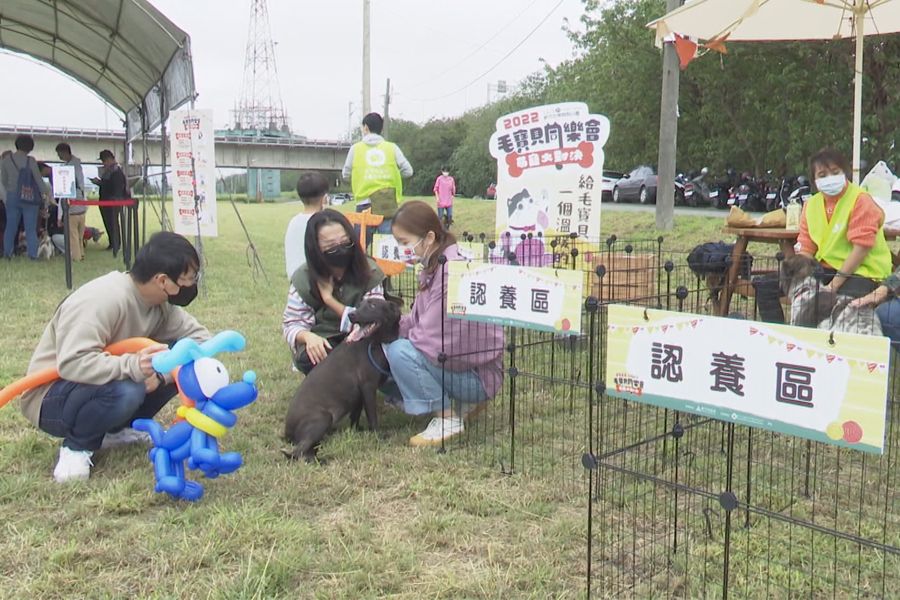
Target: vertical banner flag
{"points": [[549, 178], [192, 144], [798, 381]]}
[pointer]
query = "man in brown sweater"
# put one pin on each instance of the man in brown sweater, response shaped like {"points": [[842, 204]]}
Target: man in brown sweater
{"points": [[98, 395]]}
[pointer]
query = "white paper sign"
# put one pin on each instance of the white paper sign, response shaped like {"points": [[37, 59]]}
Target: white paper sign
{"points": [[64, 181], [192, 142], [531, 297]]}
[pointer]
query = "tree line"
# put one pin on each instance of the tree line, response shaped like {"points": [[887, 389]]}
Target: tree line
{"points": [[761, 106]]}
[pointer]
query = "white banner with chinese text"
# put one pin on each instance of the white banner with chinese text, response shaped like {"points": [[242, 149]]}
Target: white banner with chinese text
{"points": [[530, 297], [193, 179], [792, 380]]}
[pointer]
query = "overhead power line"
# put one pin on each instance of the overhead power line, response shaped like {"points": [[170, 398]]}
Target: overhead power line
{"points": [[498, 63]]}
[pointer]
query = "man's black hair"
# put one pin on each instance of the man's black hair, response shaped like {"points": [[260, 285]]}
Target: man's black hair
{"points": [[25, 143], [104, 154], [311, 187], [63, 148], [374, 122], [165, 252]]}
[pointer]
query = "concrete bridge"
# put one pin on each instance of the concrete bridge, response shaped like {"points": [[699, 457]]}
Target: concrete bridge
{"points": [[231, 151]]}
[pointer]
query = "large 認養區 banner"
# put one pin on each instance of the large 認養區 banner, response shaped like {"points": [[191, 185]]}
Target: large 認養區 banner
{"points": [[798, 381], [549, 178], [193, 179]]}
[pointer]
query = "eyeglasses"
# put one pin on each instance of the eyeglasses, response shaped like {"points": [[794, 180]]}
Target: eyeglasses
{"points": [[197, 277], [348, 245]]}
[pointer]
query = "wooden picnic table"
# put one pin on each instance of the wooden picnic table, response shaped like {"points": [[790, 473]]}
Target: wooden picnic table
{"points": [[785, 238]]}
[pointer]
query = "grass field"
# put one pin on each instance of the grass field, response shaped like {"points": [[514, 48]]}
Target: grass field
{"points": [[380, 520]]}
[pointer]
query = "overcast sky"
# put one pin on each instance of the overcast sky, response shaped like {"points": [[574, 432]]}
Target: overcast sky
{"points": [[429, 49]]}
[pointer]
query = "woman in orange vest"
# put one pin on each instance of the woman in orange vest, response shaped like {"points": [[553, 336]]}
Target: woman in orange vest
{"points": [[842, 227]]}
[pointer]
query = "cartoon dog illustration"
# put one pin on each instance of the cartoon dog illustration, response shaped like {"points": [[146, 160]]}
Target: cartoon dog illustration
{"points": [[526, 216]]}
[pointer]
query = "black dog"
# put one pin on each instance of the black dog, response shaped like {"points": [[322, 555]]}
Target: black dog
{"points": [[345, 382]]}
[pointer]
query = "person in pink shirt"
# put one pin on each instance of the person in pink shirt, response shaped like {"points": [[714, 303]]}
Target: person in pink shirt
{"points": [[444, 190]]}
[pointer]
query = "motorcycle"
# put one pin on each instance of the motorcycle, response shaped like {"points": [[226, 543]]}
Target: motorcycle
{"points": [[800, 193], [721, 195]]}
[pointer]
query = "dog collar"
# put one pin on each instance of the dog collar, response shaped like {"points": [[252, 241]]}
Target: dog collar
{"points": [[374, 363]]}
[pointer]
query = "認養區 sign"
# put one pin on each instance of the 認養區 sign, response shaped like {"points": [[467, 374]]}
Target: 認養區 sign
{"points": [[529, 297], [792, 380]]}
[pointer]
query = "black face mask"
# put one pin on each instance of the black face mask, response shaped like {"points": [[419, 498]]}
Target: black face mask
{"points": [[339, 257], [185, 295]]}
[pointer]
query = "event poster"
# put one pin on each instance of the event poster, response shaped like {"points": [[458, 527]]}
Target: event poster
{"points": [[793, 380], [530, 297], [64, 181], [193, 178], [549, 179]]}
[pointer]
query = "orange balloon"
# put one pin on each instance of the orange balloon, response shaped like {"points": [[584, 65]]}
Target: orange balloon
{"points": [[49, 375]]}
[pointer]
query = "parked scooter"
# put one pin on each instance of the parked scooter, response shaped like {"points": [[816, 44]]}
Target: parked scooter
{"points": [[721, 195], [697, 193], [801, 192]]}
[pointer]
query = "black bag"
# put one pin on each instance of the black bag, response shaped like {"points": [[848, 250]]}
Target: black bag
{"points": [[714, 258]]}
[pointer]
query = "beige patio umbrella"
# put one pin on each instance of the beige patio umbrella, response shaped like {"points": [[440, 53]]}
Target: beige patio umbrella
{"points": [[783, 20]]}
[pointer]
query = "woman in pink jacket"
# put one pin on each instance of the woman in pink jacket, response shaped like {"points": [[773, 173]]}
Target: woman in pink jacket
{"points": [[444, 190], [473, 352]]}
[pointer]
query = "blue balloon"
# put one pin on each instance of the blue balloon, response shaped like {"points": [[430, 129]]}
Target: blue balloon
{"points": [[183, 442]]}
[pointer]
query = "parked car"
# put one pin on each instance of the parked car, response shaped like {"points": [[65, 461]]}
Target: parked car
{"points": [[639, 184], [340, 198], [609, 182]]}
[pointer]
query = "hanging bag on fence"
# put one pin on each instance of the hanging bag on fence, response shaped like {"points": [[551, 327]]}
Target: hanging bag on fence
{"points": [[27, 189], [714, 258]]}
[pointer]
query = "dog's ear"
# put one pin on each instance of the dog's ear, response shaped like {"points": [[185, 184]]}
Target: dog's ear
{"points": [[389, 297]]}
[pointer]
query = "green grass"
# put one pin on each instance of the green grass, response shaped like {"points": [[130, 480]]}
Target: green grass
{"points": [[380, 520]]}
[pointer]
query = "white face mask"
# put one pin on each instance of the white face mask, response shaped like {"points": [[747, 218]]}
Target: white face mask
{"points": [[409, 253], [831, 185]]}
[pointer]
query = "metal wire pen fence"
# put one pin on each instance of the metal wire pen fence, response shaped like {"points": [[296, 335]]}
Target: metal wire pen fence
{"points": [[679, 505]]}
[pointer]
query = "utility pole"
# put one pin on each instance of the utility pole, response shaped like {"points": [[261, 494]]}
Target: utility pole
{"points": [[387, 107], [668, 133], [366, 91]]}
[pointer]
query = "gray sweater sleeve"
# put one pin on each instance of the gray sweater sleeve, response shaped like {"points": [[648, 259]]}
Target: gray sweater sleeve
{"points": [[406, 169], [348, 164]]}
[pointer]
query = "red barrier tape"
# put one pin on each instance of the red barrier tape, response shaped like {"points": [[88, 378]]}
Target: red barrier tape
{"points": [[130, 202]]}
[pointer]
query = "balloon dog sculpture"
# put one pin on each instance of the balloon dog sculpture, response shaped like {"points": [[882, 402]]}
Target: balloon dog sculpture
{"points": [[205, 415]]}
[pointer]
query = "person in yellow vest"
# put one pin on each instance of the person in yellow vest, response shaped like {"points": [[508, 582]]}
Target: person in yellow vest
{"points": [[376, 169], [841, 227]]}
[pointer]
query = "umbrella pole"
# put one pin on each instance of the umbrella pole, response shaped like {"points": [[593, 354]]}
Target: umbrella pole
{"points": [[858, 23]]}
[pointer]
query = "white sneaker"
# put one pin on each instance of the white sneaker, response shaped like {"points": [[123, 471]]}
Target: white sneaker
{"points": [[72, 465], [438, 430], [125, 437]]}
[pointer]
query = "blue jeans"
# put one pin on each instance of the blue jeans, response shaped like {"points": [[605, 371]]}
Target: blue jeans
{"points": [[82, 414], [448, 212], [889, 315], [419, 381], [29, 213]]}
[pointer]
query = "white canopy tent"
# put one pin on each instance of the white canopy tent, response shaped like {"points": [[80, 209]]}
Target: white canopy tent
{"points": [[126, 51], [773, 20]]}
